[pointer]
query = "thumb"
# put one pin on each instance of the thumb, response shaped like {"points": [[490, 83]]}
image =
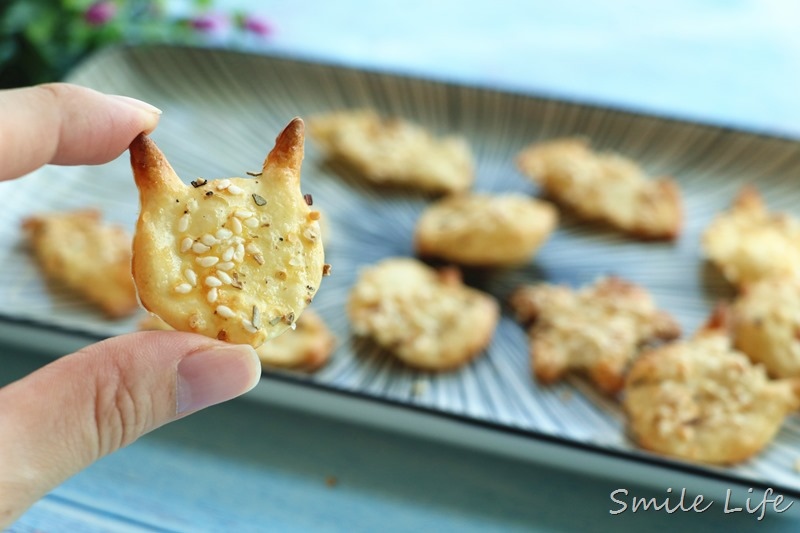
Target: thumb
{"points": [[63, 417]]}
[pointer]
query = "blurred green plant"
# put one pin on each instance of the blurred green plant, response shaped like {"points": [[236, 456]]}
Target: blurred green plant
{"points": [[41, 40]]}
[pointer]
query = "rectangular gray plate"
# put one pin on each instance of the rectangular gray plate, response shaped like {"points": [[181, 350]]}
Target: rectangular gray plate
{"points": [[222, 111]]}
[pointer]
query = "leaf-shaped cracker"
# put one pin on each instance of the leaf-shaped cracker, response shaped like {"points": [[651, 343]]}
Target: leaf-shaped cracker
{"points": [[237, 258]]}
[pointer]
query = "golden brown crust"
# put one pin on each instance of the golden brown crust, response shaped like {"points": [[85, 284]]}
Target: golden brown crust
{"points": [[766, 325], [237, 259], [704, 401], [306, 348], [748, 243], [92, 258], [394, 151], [605, 187], [597, 330], [426, 318], [485, 230]]}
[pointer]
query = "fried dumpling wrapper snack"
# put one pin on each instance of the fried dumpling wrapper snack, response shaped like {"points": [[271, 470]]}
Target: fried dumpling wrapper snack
{"points": [[306, 348], [604, 186], [766, 325], [236, 259], [485, 230], [704, 401], [748, 243], [597, 330], [394, 151], [91, 257], [427, 318]]}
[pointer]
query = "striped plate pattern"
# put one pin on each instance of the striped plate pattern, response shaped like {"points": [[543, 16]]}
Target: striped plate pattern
{"points": [[222, 111]]}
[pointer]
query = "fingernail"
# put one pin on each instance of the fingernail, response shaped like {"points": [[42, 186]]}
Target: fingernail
{"points": [[137, 103], [215, 375]]}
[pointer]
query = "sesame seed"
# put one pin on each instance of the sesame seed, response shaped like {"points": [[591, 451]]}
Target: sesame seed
{"points": [[223, 184], [259, 258], [259, 200], [294, 325], [224, 277], [227, 255], [235, 189], [236, 225], [212, 295], [310, 234], [294, 261], [225, 265], [186, 244], [238, 255], [224, 234], [208, 261], [208, 239], [213, 281], [183, 288], [242, 213], [191, 276], [251, 222], [200, 248], [249, 326], [183, 223], [309, 199], [225, 311], [256, 317], [199, 182], [252, 248], [191, 205]]}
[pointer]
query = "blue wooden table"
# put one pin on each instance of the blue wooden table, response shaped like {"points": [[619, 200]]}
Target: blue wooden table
{"points": [[247, 466]]}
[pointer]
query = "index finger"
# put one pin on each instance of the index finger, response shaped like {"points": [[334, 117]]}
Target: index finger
{"points": [[66, 125]]}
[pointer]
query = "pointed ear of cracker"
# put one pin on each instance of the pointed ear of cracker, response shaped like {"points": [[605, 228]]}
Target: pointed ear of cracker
{"points": [[287, 155], [749, 199], [151, 170]]}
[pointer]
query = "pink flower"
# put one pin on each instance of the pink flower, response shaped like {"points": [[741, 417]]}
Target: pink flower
{"points": [[100, 12], [209, 22], [257, 25]]}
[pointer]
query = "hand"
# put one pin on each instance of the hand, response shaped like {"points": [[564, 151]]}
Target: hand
{"points": [[63, 417]]}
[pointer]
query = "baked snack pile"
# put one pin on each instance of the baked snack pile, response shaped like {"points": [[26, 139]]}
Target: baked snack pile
{"points": [[748, 243], [766, 325], [428, 319], [91, 257], [237, 259], [485, 230], [604, 187], [307, 348], [394, 151], [704, 401], [597, 330]]}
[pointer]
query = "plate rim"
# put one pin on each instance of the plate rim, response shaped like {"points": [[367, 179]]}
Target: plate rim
{"points": [[638, 456]]}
